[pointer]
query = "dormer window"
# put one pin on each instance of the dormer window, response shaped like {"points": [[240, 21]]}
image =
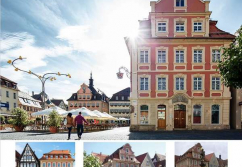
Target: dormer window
{"points": [[162, 27], [116, 97], [51, 157], [61, 156], [122, 97], [180, 3], [66, 156], [56, 156], [127, 150], [46, 156]]}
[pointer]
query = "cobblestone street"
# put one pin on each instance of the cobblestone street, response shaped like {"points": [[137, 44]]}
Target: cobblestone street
{"points": [[124, 134]]}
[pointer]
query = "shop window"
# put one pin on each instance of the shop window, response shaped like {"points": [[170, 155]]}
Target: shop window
{"points": [[144, 110], [215, 114], [197, 114]]}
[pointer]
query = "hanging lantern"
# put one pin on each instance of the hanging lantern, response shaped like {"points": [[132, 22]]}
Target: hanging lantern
{"points": [[120, 75], [9, 61]]}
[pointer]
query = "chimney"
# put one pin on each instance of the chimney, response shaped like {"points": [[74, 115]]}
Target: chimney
{"points": [[91, 81], [219, 156], [32, 93], [152, 4]]}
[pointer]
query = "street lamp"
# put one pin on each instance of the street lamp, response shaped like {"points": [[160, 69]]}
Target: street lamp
{"points": [[202, 158], [43, 79], [120, 74]]}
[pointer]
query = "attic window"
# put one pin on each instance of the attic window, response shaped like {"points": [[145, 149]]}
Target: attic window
{"points": [[116, 97], [180, 3], [94, 97], [122, 97]]}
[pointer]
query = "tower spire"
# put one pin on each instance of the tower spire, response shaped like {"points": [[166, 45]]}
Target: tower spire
{"points": [[91, 81]]}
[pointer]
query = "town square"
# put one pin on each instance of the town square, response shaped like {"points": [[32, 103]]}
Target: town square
{"points": [[173, 75]]}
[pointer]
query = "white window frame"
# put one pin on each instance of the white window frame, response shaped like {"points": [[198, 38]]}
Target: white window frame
{"points": [[161, 56], [215, 54], [197, 25], [196, 54], [161, 25], [160, 82], [197, 80], [180, 25], [144, 53], [216, 84], [180, 3], [180, 53], [144, 83], [180, 81]]}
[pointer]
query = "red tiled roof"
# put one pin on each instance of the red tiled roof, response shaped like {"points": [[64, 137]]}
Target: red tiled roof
{"points": [[209, 156], [55, 152], [215, 32], [100, 156], [141, 157], [177, 158], [222, 163]]}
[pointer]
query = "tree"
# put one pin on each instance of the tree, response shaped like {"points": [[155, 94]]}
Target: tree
{"points": [[91, 161], [231, 66]]}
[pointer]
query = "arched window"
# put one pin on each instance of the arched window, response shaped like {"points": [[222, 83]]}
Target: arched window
{"points": [[63, 165], [197, 114], [53, 164], [43, 164], [215, 114], [49, 164], [69, 164], [144, 110]]}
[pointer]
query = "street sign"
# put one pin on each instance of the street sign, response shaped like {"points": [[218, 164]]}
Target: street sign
{"points": [[6, 105]]}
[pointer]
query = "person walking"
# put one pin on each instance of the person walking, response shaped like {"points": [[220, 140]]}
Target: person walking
{"points": [[79, 122], [69, 124]]}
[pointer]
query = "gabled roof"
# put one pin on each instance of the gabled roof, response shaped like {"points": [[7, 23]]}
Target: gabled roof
{"points": [[159, 156], [222, 163], [17, 155], [57, 102], [100, 156], [6, 79], [209, 156], [141, 157], [125, 92], [215, 32], [32, 152], [64, 152], [11, 84]]}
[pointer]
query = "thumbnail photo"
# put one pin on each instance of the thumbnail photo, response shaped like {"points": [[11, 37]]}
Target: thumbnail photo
{"points": [[117, 154], [204, 154], [45, 154]]}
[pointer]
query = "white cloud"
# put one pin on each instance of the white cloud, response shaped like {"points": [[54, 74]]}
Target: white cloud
{"points": [[19, 148]]}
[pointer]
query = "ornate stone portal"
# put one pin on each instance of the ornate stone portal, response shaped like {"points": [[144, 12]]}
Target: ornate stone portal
{"points": [[180, 98]]}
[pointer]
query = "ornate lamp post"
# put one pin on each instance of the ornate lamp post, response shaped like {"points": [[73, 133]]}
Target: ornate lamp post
{"points": [[202, 158], [43, 79]]}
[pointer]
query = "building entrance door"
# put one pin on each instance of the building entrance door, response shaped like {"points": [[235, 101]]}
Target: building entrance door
{"points": [[179, 116], [161, 116]]}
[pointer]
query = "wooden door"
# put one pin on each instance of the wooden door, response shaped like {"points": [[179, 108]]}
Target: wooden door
{"points": [[176, 119], [179, 119], [161, 117], [182, 119]]}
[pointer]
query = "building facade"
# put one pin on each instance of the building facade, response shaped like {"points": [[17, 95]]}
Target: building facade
{"points": [[8, 95], [59, 103], [40, 97], [57, 158], [145, 160], [28, 158], [119, 104], [88, 97], [122, 157], [191, 158], [174, 82], [28, 103], [212, 160]]}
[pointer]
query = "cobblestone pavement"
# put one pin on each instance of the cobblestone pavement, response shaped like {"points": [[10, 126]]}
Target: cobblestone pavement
{"points": [[124, 134]]}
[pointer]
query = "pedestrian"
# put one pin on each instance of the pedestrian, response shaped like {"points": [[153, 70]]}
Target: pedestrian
{"points": [[79, 122], [69, 124]]}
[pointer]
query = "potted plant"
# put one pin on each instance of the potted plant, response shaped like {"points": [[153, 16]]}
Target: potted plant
{"points": [[20, 119], [54, 121], [2, 122]]}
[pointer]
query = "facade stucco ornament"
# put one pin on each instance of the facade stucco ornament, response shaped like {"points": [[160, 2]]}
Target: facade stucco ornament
{"points": [[179, 98]]}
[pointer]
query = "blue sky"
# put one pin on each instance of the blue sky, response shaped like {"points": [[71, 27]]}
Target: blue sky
{"points": [[219, 148], [80, 36], [41, 148], [138, 147]]}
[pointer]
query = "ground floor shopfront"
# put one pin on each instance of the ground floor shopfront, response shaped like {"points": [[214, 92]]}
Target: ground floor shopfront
{"points": [[180, 112]]}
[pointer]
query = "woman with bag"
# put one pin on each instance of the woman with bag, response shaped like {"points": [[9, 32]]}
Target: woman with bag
{"points": [[69, 124]]}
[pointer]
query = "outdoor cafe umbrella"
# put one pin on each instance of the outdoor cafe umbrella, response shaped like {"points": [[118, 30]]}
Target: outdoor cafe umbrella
{"points": [[101, 115], [49, 110], [87, 114], [109, 116]]}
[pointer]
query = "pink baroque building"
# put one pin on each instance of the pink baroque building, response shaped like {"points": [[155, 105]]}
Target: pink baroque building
{"points": [[174, 82]]}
